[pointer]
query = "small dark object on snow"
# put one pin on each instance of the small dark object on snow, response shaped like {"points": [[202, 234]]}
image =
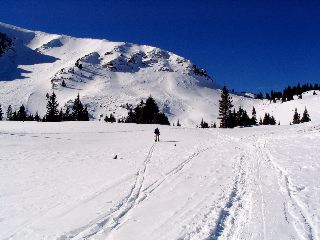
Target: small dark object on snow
{"points": [[157, 133], [175, 144], [115, 157]]}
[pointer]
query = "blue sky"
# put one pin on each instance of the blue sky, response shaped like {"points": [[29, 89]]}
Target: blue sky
{"points": [[248, 45]]}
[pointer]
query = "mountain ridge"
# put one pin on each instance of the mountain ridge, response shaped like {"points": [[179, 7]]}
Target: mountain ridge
{"points": [[108, 75]]}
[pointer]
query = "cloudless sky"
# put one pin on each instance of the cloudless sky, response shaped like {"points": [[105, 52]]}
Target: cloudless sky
{"points": [[248, 45]]}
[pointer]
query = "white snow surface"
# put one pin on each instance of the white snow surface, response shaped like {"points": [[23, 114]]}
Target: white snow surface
{"points": [[60, 181], [116, 73]]}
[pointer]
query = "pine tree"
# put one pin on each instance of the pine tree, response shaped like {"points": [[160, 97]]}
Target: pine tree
{"points": [[112, 119], [296, 117], [254, 117], [214, 125], [37, 117], [85, 115], [52, 114], [225, 105], [150, 111], [1, 113], [305, 116], [147, 113], [63, 84], [22, 115], [242, 118], [9, 113], [178, 123], [14, 116], [30, 117], [67, 116], [61, 114], [162, 119], [266, 119], [204, 124], [232, 119], [260, 121], [272, 121], [77, 109], [79, 112]]}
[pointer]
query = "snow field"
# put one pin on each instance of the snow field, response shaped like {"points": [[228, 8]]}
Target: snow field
{"points": [[60, 181]]}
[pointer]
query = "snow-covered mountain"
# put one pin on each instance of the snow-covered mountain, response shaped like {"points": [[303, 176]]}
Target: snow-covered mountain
{"points": [[108, 75]]}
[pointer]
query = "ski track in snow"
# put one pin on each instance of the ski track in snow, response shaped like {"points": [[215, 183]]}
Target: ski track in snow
{"points": [[110, 221], [137, 194], [230, 211], [301, 220], [233, 215], [262, 201]]}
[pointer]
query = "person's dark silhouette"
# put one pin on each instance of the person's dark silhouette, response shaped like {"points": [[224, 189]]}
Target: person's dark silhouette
{"points": [[157, 133]]}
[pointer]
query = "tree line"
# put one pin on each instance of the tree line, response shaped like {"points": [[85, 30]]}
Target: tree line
{"points": [[287, 93], [144, 113], [76, 112], [231, 118]]}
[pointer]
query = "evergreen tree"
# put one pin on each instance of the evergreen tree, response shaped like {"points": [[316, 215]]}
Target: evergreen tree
{"points": [[178, 123], [305, 116], [111, 119], [63, 84], [14, 116], [162, 119], [61, 115], [131, 118], [85, 115], [214, 125], [232, 119], [37, 117], [150, 111], [268, 96], [204, 124], [30, 117], [22, 115], [296, 117], [242, 118], [268, 120], [52, 114], [225, 105], [260, 121], [254, 117], [147, 113], [1, 113], [273, 121], [259, 95], [79, 112], [67, 116], [77, 109], [9, 113]]}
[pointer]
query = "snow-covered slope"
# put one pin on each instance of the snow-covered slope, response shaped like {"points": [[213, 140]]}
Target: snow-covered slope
{"points": [[112, 75], [60, 181]]}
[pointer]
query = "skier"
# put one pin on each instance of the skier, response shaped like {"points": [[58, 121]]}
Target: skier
{"points": [[157, 133]]}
